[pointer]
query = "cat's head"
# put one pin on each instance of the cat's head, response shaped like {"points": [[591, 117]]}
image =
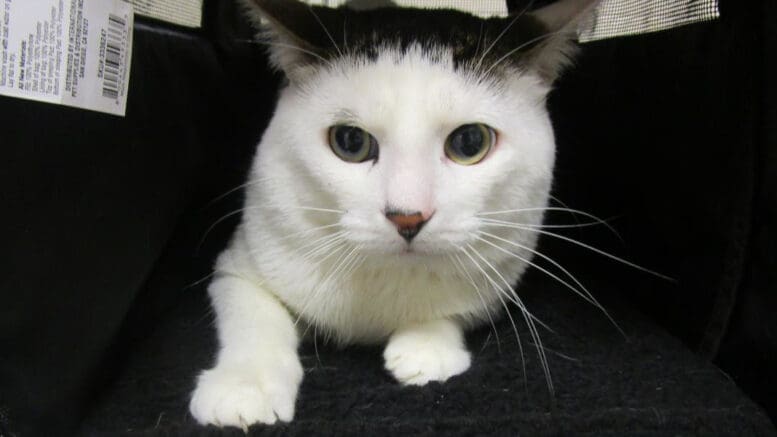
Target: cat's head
{"points": [[411, 125]]}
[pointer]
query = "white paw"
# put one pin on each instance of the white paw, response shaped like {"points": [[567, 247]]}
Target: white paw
{"points": [[246, 395], [433, 352]]}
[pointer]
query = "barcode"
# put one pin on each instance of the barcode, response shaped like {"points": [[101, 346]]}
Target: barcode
{"points": [[114, 51]]}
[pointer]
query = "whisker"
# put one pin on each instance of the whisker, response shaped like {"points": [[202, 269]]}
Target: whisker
{"points": [[200, 281], [597, 220], [507, 311], [322, 245], [574, 212], [219, 221], [461, 268], [509, 292], [566, 226], [315, 345], [529, 318], [342, 263], [237, 188], [289, 46], [345, 33], [587, 297], [497, 223], [338, 262], [564, 205], [250, 208], [558, 354], [308, 231], [511, 52], [585, 294], [329, 35], [504, 31], [310, 208]]}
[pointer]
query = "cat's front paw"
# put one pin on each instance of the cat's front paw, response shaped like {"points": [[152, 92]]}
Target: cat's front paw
{"points": [[428, 352], [242, 397]]}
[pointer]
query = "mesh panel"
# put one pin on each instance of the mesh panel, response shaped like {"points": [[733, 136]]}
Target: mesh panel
{"points": [[613, 18], [181, 12], [631, 17]]}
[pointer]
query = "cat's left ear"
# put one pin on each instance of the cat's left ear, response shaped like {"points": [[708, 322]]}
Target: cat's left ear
{"points": [[561, 20], [298, 35]]}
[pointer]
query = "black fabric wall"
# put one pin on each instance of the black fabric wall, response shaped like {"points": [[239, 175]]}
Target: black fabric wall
{"points": [[748, 350], [89, 204], [673, 134]]}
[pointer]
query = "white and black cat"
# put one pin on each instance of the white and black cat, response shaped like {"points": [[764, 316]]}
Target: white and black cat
{"points": [[394, 197]]}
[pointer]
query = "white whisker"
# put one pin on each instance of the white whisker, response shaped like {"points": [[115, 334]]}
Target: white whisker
{"points": [[337, 263], [322, 245], [508, 292], [293, 47], [308, 231], [213, 226], [504, 31], [312, 11], [237, 188], [558, 354], [310, 208], [511, 52], [507, 311], [462, 269], [342, 263], [575, 212], [585, 294], [499, 223], [528, 317]]}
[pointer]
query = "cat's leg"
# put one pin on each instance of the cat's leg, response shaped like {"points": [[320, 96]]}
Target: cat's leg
{"points": [[431, 351], [258, 371]]}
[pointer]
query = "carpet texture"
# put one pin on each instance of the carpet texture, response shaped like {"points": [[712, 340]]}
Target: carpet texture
{"points": [[605, 384]]}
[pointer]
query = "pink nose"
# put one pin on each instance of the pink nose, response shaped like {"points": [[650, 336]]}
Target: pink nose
{"points": [[408, 224]]}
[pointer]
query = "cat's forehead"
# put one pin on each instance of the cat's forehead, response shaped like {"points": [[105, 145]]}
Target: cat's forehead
{"points": [[334, 33], [467, 37], [414, 89]]}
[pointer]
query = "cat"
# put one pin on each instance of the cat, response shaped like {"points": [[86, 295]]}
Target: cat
{"points": [[377, 205]]}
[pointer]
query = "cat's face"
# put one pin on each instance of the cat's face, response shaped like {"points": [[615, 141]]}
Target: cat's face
{"points": [[402, 130], [409, 138]]}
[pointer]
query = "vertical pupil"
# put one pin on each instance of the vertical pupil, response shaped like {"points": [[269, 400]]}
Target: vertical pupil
{"points": [[470, 141], [350, 139]]}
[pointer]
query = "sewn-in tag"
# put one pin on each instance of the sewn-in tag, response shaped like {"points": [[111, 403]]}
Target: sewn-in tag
{"points": [[69, 52]]}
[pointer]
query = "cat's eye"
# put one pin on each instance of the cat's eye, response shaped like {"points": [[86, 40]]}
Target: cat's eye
{"points": [[352, 144], [469, 144]]}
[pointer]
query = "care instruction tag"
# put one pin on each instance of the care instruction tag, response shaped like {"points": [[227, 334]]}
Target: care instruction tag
{"points": [[69, 52]]}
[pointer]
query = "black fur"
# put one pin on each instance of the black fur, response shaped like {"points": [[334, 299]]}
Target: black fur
{"points": [[331, 32]]}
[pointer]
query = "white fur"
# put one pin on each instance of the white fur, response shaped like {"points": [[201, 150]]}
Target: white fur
{"points": [[415, 296]]}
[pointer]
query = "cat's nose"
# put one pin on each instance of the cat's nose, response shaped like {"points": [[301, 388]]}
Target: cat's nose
{"points": [[408, 223]]}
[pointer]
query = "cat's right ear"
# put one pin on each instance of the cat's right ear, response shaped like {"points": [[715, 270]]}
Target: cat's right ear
{"points": [[561, 20], [299, 36]]}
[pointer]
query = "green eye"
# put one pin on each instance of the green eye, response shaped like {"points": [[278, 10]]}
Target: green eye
{"points": [[352, 144], [469, 143]]}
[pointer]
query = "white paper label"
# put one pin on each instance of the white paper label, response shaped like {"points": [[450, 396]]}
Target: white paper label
{"points": [[68, 52]]}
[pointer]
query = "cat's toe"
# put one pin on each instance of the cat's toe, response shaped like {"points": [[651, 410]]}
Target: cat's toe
{"points": [[418, 362], [239, 399]]}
